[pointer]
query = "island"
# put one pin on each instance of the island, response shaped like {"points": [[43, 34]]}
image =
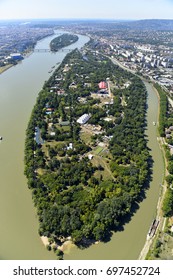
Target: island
{"points": [[62, 41], [86, 156]]}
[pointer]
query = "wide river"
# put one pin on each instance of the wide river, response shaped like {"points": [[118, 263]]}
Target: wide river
{"points": [[19, 239]]}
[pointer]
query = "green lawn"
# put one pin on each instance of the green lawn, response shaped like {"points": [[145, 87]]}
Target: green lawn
{"points": [[98, 150], [86, 137], [106, 173]]}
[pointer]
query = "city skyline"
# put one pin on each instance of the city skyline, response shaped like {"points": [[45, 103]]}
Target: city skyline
{"points": [[86, 9]]}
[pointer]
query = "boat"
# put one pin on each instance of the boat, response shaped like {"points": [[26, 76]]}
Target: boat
{"points": [[154, 123], [1, 137], [153, 229]]}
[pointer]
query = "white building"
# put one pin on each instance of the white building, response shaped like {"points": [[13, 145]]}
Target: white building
{"points": [[84, 118]]}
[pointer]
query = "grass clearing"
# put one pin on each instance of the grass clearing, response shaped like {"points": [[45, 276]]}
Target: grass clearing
{"points": [[106, 173], [52, 144], [98, 150], [86, 137], [167, 248], [65, 128]]}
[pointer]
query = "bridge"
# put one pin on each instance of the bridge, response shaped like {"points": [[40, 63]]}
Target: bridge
{"points": [[49, 50]]}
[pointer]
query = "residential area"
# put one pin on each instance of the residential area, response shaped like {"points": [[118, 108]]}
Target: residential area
{"points": [[143, 48]]}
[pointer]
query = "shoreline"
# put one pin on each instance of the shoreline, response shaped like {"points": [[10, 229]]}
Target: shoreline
{"points": [[5, 68], [66, 246]]}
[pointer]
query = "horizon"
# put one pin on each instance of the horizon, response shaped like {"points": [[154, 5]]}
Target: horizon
{"points": [[84, 19]]}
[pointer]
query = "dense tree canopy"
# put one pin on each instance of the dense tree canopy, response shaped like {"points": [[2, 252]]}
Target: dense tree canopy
{"points": [[62, 41]]}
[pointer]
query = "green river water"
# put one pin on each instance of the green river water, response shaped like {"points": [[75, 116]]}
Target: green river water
{"points": [[19, 239]]}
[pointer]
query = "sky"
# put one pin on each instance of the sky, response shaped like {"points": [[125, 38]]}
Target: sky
{"points": [[86, 9]]}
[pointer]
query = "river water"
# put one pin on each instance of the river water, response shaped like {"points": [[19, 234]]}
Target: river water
{"points": [[19, 239]]}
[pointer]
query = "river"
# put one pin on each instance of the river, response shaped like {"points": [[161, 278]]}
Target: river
{"points": [[19, 237]]}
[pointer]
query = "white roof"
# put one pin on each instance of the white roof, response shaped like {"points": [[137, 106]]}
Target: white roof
{"points": [[83, 119]]}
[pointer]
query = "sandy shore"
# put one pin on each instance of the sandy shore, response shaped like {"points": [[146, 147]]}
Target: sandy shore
{"points": [[66, 246], [4, 68], [45, 240]]}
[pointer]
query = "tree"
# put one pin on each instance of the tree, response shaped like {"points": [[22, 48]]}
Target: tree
{"points": [[169, 179], [168, 204]]}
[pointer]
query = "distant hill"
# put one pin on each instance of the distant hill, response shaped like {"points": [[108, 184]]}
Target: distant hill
{"points": [[150, 24]]}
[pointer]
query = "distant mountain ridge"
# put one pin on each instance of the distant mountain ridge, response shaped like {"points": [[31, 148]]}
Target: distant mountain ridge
{"points": [[150, 24], [144, 24]]}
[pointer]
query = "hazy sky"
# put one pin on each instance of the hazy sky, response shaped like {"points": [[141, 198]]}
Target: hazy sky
{"points": [[106, 9]]}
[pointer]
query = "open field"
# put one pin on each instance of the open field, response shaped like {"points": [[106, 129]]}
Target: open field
{"points": [[86, 137], [106, 173], [63, 128], [98, 150]]}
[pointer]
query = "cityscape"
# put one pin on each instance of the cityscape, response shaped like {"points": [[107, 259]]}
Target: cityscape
{"points": [[148, 52]]}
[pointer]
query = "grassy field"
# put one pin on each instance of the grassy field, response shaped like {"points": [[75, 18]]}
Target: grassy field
{"points": [[63, 128], [98, 150], [86, 137], [167, 248], [106, 173]]}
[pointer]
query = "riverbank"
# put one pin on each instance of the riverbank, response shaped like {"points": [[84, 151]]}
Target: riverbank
{"points": [[5, 68], [8, 66]]}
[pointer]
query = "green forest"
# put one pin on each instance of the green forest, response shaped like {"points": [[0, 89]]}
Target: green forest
{"points": [[87, 178], [62, 41]]}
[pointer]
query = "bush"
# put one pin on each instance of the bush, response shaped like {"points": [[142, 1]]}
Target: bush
{"points": [[48, 247]]}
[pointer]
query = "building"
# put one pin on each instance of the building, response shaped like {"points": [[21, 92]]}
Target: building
{"points": [[102, 85], [90, 156], [83, 119], [70, 147], [16, 56]]}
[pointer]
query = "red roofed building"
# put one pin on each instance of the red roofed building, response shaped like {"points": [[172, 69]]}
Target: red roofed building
{"points": [[102, 85]]}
